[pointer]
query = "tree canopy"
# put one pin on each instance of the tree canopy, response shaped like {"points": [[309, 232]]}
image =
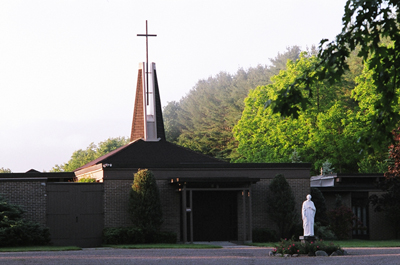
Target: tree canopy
{"points": [[81, 157], [204, 118], [328, 129], [372, 29], [5, 170]]}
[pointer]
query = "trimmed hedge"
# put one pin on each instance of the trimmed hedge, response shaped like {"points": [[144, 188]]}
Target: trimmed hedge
{"points": [[261, 235], [132, 235]]}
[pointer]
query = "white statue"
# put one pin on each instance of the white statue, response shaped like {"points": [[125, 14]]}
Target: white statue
{"points": [[308, 213]]}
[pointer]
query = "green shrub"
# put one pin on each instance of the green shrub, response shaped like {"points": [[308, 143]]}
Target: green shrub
{"points": [[123, 235], [133, 235], [144, 202], [291, 247], [261, 235], [165, 237], [15, 231]]}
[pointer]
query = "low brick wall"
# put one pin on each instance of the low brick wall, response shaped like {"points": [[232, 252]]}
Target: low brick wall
{"points": [[30, 194]]}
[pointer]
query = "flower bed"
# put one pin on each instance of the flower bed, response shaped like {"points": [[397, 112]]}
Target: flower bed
{"points": [[290, 246]]}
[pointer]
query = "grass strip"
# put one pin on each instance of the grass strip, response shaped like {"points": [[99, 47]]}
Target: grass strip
{"points": [[143, 246], [38, 248], [367, 243], [352, 243]]}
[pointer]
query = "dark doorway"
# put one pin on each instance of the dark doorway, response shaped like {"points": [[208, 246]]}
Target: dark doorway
{"points": [[215, 216], [359, 202]]}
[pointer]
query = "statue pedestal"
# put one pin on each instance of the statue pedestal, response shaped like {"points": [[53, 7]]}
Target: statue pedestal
{"points": [[308, 239]]}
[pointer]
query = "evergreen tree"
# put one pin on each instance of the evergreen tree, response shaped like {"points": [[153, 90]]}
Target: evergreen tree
{"points": [[319, 202], [327, 168], [281, 206], [295, 157], [144, 202]]}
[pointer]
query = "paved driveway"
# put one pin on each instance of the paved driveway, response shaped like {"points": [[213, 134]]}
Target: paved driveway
{"points": [[226, 255]]}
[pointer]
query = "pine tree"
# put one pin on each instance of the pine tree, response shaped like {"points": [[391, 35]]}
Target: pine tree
{"points": [[281, 206]]}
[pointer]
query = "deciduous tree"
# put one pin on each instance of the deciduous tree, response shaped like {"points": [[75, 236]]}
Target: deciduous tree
{"points": [[81, 157], [373, 28], [5, 170]]}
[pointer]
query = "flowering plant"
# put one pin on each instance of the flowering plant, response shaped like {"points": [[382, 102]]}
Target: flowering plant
{"points": [[291, 247]]}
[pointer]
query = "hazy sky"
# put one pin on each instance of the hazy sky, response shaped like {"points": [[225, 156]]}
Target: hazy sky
{"points": [[68, 69]]}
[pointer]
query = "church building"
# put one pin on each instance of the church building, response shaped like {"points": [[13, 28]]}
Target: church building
{"points": [[203, 198]]}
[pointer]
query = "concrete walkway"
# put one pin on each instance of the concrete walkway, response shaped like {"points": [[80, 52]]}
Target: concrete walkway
{"points": [[230, 254]]}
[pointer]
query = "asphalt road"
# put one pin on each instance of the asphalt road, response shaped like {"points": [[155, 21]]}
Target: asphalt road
{"points": [[226, 255]]}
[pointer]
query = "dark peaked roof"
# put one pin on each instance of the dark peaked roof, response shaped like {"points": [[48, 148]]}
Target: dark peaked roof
{"points": [[140, 153]]}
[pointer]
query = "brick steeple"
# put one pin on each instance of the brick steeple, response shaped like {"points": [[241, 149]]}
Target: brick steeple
{"points": [[147, 121]]}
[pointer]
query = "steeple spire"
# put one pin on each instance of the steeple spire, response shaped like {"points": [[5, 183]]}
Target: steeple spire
{"points": [[147, 121]]}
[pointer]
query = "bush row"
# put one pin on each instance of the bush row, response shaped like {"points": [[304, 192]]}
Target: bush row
{"points": [[132, 235], [23, 233]]}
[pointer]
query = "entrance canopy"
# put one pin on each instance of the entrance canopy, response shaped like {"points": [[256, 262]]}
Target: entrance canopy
{"points": [[210, 208], [214, 182]]}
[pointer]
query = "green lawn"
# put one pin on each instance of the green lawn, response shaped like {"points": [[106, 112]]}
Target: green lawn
{"points": [[38, 248], [193, 246], [341, 243], [348, 243]]}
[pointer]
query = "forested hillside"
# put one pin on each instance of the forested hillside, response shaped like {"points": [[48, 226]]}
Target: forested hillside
{"points": [[203, 120]]}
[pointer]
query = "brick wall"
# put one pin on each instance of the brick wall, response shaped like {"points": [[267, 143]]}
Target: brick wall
{"points": [[170, 203], [30, 194], [116, 197]]}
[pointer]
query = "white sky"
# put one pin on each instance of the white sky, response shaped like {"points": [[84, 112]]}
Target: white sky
{"points": [[68, 69]]}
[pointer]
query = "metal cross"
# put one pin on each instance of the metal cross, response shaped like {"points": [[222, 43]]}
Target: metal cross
{"points": [[147, 59]]}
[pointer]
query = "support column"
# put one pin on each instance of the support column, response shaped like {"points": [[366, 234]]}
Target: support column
{"points": [[244, 215], [184, 215], [250, 217], [191, 215]]}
